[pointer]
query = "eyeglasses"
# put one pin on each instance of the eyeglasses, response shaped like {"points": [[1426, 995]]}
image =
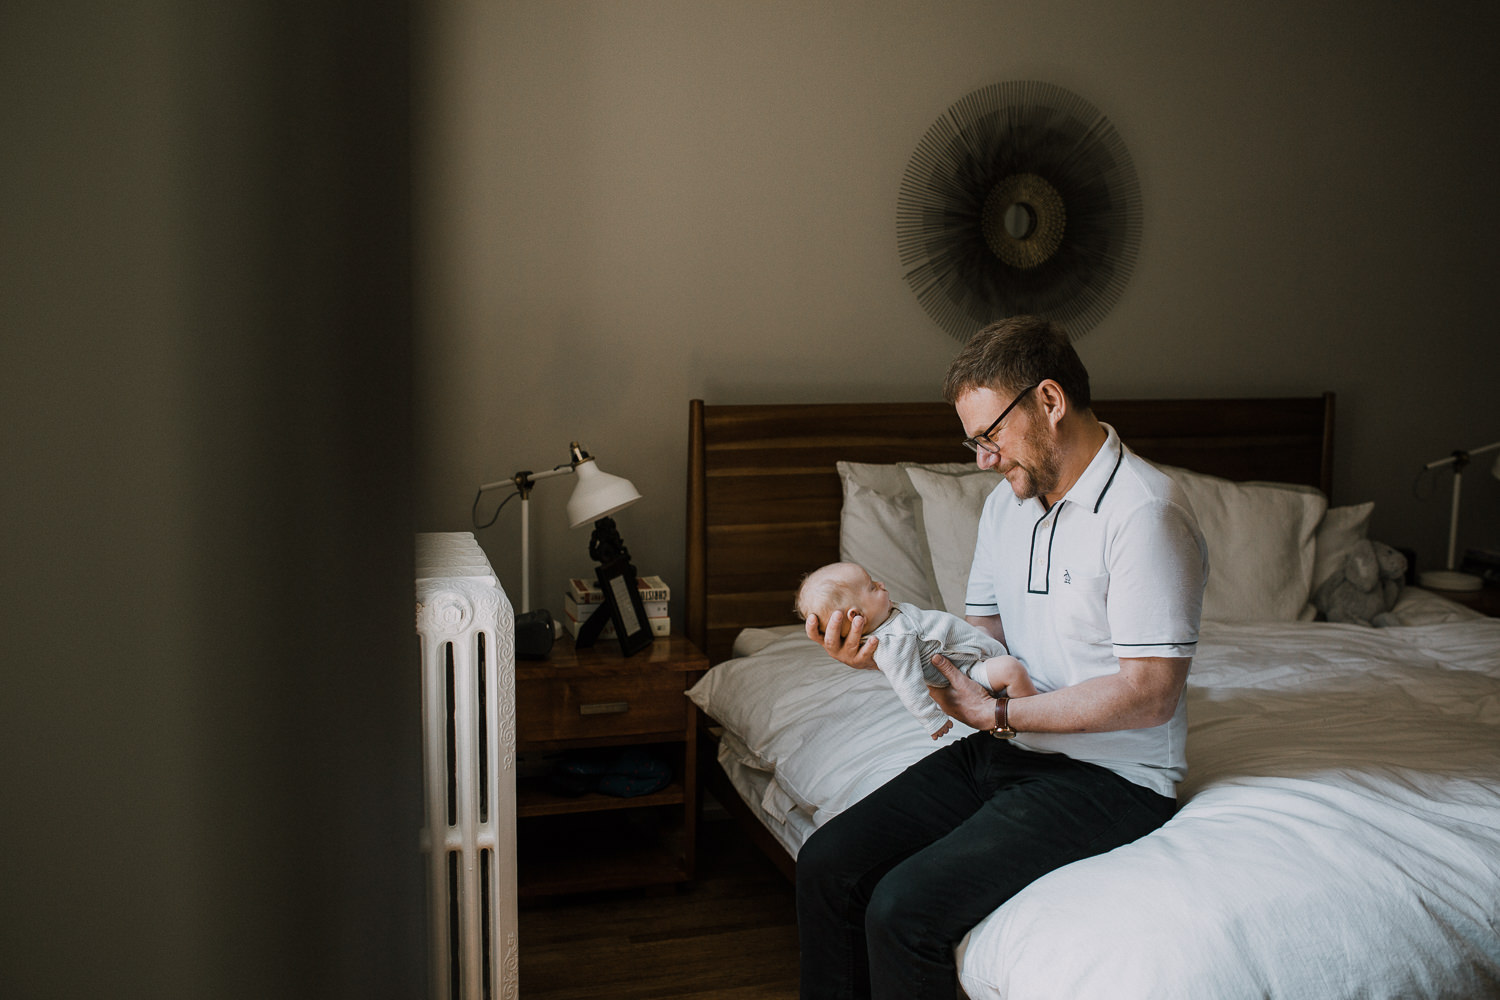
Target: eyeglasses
{"points": [[982, 442]]}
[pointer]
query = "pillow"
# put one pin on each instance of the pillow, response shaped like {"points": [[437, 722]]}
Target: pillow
{"points": [[785, 704], [1340, 529], [1260, 541], [951, 505], [1261, 549], [878, 527], [741, 694], [879, 531], [774, 699]]}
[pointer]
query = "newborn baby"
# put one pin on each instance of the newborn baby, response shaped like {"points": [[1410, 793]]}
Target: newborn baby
{"points": [[909, 636]]}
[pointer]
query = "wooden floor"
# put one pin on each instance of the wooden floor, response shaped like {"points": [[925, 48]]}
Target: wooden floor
{"points": [[730, 935]]}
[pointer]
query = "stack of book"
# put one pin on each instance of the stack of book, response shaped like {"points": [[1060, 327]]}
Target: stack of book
{"points": [[583, 598]]}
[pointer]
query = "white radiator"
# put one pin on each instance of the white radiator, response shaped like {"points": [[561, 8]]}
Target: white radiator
{"points": [[467, 630]]}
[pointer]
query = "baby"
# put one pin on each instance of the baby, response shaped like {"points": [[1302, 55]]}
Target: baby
{"points": [[909, 636]]}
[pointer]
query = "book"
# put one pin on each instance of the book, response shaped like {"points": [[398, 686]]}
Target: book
{"points": [[659, 626], [654, 609], [652, 588]]}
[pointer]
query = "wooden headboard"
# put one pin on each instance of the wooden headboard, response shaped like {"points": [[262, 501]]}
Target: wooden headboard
{"points": [[764, 496]]}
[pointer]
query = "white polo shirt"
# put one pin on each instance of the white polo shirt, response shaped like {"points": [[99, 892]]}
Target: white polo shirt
{"points": [[1115, 569]]}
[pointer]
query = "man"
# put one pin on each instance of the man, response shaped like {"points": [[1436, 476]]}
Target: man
{"points": [[1090, 567]]}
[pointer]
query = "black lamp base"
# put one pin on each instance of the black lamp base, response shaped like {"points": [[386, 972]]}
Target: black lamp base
{"points": [[622, 596]]}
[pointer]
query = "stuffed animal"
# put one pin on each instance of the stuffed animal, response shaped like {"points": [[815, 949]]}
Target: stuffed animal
{"points": [[1365, 588]]}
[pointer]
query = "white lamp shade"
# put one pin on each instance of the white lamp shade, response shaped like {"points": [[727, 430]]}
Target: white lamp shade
{"points": [[598, 494]]}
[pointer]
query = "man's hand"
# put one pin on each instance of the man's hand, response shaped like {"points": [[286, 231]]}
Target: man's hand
{"points": [[853, 649], [964, 699]]}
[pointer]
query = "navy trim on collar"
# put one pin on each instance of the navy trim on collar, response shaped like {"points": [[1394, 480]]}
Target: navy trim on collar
{"points": [[1119, 459]]}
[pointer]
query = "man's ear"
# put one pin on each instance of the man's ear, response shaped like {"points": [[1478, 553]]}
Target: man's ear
{"points": [[1053, 401]]}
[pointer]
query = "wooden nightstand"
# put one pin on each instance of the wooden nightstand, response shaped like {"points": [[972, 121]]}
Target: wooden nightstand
{"points": [[596, 698], [1485, 600]]}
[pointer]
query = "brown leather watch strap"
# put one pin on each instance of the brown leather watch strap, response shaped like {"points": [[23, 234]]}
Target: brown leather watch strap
{"points": [[1002, 730]]}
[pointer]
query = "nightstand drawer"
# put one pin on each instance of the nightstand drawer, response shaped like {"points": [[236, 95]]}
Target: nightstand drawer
{"points": [[567, 709]]}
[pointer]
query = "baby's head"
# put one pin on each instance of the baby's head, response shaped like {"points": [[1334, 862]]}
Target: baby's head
{"points": [[843, 587]]}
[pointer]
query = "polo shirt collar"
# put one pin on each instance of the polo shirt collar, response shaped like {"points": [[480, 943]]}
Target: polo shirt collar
{"points": [[1096, 480]]}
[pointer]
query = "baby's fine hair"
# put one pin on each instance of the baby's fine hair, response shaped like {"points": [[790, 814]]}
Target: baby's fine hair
{"points": [[825, 590]]}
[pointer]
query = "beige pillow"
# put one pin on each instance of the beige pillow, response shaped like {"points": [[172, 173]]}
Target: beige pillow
{"points": [[951, 504], [1261, 541], [1261, 549], [880, 530]]}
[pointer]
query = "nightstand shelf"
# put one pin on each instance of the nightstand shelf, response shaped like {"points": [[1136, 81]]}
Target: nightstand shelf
{"points": [[597, 699], [532, 800]]}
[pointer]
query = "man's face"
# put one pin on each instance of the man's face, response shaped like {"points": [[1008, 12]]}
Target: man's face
{"points": [[1024, 451]]}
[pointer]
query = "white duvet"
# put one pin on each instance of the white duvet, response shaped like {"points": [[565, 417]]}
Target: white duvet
{"points": [[1339, 834]]}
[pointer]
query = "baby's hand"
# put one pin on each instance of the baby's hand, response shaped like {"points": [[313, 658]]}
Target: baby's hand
{"points": [[1008, 674], [944, 731]]}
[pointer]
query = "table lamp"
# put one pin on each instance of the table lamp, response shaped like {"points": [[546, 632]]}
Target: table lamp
{"points": [[596, 496], [1450, 578]]}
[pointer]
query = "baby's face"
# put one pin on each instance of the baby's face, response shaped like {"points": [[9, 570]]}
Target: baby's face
{"points": [[871, 599]]}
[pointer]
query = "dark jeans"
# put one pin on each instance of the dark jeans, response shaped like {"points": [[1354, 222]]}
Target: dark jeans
{"points": [[886, 889]]}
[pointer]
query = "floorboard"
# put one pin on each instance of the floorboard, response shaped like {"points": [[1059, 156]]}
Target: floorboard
{"points": [[730, 935]]}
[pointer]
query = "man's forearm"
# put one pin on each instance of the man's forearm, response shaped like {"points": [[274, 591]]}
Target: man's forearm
{"points": [[1143, 694], [1131, 699]]}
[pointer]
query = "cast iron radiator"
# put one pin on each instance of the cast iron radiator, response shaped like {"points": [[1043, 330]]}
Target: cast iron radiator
{"points": [[467, 632]]}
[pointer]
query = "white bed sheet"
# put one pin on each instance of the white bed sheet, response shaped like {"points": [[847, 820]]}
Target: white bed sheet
{"points": [[756, 787], [1339, 834]]}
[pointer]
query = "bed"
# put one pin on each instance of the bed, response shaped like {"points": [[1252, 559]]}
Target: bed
{"points": [[1339, 829]]}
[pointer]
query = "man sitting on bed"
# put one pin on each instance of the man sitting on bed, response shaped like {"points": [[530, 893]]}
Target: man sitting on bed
{"points": [[1090, 567]]}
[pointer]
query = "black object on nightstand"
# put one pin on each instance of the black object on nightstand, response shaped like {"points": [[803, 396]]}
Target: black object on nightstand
{"points": [[535, 634]]}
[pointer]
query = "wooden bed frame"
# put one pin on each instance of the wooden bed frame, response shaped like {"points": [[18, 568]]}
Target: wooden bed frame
{"points": [[764, 496]]}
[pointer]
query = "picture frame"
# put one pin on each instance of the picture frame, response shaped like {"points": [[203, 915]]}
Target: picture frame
{"points": [[622, 607]]}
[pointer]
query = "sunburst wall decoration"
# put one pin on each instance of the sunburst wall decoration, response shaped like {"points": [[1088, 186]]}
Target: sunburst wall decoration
{"points": [[1020, 199]]}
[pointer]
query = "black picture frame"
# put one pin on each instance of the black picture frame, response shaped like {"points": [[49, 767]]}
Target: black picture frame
{"points": [[622, 607]]}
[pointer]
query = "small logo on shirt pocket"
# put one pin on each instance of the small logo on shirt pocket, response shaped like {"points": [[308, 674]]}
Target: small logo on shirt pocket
{"points": [[1083, 608]]}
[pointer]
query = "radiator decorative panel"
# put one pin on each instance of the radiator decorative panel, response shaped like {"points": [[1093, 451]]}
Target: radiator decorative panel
{"points": [[467, 631]]}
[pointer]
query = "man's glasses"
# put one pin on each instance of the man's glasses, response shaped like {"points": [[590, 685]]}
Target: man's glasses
{"points": [[982, 442]]}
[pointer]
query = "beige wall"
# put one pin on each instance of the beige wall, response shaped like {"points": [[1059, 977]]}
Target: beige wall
{"points": [[626, 205]]}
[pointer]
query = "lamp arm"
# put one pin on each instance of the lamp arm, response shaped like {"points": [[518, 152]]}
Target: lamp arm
{"points": [[525, 479], [522, 482], [1461, 457], [1489, 447]]}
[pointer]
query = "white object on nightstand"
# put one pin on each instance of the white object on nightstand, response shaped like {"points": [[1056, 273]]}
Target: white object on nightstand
{"points": [[1449, 578]]}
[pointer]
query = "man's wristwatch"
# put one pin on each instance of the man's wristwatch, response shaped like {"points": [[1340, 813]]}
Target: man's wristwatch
{"points": [[1002, 730]]}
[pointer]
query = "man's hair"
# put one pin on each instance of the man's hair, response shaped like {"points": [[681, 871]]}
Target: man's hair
{"points": [[1014, 353]]}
